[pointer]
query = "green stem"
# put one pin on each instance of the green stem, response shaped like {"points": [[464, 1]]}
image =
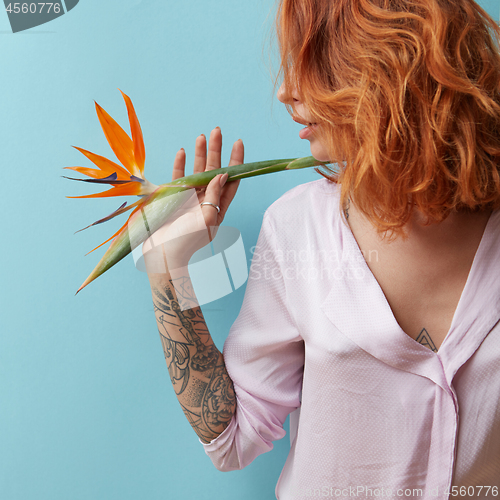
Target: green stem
{"points": [[244, 170]]}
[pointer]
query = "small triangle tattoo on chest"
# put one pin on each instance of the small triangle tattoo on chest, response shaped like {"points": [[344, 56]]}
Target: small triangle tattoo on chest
{"points": [[425, 339]]}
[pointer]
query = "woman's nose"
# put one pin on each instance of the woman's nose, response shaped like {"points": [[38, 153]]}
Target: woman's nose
{"points": [[281, 93], [287, 97]]}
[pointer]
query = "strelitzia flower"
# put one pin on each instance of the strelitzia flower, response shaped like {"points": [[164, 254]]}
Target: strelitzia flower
{"points": [[128, 179]]}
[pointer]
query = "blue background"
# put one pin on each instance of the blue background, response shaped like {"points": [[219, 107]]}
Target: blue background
{"points": [[87, 410]]}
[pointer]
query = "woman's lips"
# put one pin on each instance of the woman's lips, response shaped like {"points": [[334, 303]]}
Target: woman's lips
{"points": [[308, 130]]}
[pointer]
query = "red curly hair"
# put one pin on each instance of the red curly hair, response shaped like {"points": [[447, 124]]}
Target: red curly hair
{"points": [[407, 94]]}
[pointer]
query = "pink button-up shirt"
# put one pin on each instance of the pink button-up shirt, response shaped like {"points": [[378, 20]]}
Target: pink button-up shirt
{"points": [[380, 414]]}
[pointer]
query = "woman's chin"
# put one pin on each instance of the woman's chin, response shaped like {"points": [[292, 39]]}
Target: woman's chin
{"points": [[319, 152]]}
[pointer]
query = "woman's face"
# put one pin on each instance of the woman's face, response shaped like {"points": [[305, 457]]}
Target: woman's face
{"points": [[301, 115]]}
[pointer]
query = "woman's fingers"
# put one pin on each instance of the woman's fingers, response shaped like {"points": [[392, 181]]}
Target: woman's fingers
{"points": [[200, 154], [216, 192], [227, 194], [179, 164], [237, 153], [214, 149], [212, 196]]}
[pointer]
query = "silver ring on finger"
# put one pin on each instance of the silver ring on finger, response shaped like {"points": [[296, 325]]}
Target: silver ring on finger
{"points": [[212, 205]]}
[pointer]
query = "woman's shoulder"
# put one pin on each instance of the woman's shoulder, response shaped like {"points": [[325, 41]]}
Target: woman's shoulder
{"points": [[309, 200], [308, 212]]}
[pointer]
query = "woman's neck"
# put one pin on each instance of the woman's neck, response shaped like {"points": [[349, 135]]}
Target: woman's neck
{"points": [[459, 228]]}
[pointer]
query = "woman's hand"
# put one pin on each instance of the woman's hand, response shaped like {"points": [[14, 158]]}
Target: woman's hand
{"points": [[172, 245]]}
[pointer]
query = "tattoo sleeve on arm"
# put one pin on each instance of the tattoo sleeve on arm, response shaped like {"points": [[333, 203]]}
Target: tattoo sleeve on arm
{"points": [[219, 400], [196, 367]]}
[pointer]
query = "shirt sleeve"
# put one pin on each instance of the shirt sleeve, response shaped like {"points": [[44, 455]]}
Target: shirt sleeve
{"points": [[264, 356]]}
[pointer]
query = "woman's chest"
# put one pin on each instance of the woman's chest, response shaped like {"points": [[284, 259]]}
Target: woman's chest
{"points": [[422, 278], [423, 302]]}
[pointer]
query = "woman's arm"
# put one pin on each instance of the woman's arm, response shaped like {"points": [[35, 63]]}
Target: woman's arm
{"points": [[196, 367]]}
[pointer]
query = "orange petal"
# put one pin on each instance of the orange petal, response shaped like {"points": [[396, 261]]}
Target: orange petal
{"points": [[120, 142], [131, 188], [117, 232], [90, 172], [107, 166], [137, 139]]}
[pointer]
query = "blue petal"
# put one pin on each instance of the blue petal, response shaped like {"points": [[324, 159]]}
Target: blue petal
{"points": [[118, 211]]}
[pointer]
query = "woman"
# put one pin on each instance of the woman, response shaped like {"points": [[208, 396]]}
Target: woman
{"points": [[373, 301]]}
